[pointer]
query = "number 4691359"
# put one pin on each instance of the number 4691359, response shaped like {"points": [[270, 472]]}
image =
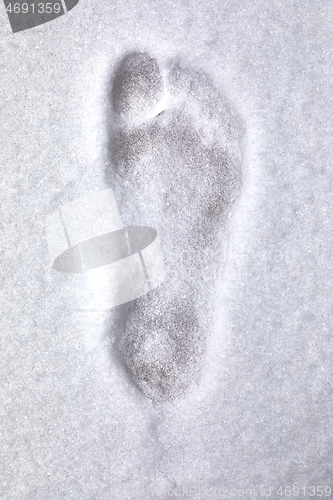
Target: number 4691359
{"points": [[41, 8], [311, 491]]}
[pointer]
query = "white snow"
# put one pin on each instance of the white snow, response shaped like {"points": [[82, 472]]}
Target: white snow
{"points": [[72, 425]]}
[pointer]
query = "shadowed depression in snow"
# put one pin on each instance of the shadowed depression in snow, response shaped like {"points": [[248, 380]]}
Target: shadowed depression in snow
{"points": [[175, 148]]}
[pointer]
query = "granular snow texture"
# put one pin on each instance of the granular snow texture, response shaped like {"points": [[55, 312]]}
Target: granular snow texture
{"points": [[75, 424]]}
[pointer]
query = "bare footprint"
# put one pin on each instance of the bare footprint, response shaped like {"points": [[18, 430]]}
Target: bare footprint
{"points": [[177, 167]]}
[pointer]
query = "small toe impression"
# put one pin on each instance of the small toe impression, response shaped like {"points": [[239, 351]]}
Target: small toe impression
{"points": [[137, 88]]}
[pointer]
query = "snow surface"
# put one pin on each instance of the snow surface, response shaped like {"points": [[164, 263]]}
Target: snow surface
{"points": [[73, 426]]}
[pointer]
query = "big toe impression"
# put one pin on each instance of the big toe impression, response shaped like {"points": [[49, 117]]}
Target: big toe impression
{"points": [[137, 88]]}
